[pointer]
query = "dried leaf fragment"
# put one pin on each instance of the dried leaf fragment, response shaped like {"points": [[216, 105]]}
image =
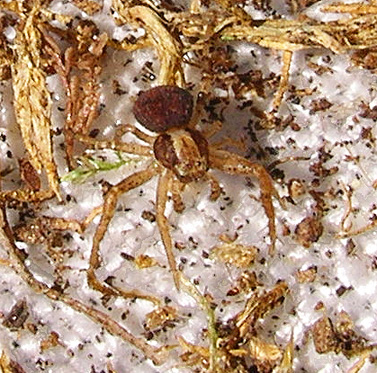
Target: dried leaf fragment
{"points": [[306, 275], [88, 6], [193, 354], [42, 229], [259, 305], [235, 254], [32, 101], [145, 261], [17, 315], [238, 340], [309, 230], [265, 355], [366, 58], [52, 340], [338, 337], [324, 336], [168, 49], [160, 317], [28, 175], [5, 55], [245, 283]]}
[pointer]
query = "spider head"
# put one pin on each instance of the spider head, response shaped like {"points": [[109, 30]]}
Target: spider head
{"points": [[184, 151]]}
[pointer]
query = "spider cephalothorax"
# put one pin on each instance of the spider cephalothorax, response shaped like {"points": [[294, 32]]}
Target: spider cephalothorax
{"points": [[179, 155], [184, 151]]}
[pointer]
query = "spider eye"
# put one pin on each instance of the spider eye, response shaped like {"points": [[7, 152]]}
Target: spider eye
{"points": [[164, 107]]}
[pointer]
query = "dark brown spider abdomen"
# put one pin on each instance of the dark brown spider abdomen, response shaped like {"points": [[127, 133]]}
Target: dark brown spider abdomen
{"points": [[163, 107], [184, 151]]}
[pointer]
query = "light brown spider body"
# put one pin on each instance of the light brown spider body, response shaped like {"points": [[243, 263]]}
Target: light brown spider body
{"points": [[180, 154]]}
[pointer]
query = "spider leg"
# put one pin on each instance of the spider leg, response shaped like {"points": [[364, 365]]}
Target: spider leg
{"points": [[131, 148], [211, 129], [234, 164], [164, 186], [124, 128], [227, 141], [214, 185], [108, 209], [176, 189]]}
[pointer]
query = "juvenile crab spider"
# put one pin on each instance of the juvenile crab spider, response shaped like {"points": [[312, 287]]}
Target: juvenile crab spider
{"points": [[179, 155]]}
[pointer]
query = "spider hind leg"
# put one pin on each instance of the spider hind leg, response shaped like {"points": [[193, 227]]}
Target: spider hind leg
{"points": [[234, 164]]}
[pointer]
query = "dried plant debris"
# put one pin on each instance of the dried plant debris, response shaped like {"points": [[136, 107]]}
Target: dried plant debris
{"points": [[52, 340], [88, 6], [235, 254], [8, 365], [43, 229], [338, 337], [18, 265], [288, 35], [309, 230], [17, 316], [235, 346], [79, 67], [245, 283], [168, 48], [366, 58], [238, 340], [160, 318], [29, 81], [5, 51], [29, 175], [307, 275], [145, 261]]}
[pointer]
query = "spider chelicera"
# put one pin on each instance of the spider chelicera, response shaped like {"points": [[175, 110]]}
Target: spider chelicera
{"points": [[179, 154]]}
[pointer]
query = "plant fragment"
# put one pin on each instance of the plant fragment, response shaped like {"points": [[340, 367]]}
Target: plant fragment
{"points": [[32, 100], [168, 49], [338, 337], [8, 365], [90, 166], [17, 315], [235, 254]]}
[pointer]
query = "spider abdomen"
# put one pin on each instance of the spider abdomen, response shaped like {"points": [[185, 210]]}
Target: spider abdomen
{"points": [[184, 151], [164, 107]]}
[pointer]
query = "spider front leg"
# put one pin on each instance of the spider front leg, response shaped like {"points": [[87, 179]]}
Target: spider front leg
{"points": [[234, 164], [116, 143], [108, 208], [164, 186], [176, 189], [128, 128], [214, 185]]}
